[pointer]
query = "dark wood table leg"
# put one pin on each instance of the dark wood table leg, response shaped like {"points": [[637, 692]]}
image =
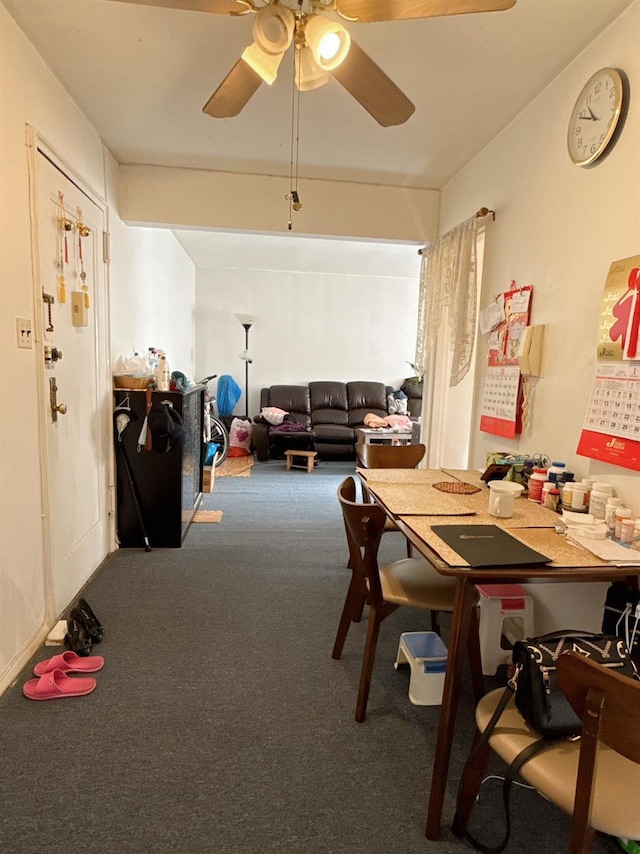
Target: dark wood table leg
{"points": [[464, 602]]}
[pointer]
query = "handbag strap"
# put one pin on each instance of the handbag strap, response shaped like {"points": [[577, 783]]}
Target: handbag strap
{"points": [[511, 773]]}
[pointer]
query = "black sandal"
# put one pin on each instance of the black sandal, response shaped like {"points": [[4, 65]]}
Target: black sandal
{"points": [[78, 638], [91, 622]]}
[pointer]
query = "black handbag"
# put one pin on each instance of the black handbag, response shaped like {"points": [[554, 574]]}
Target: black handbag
{"points": [[621, 615], [541, 702]]}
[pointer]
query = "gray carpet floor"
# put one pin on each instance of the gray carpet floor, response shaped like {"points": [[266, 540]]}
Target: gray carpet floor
{"points": [[221, 723]]}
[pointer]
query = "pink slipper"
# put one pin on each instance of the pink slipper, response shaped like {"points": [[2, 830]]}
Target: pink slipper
{"points": [[70, 662], [57, 684]]}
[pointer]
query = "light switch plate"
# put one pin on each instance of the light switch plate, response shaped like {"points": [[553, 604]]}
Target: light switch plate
{"points": [[24, 333]]}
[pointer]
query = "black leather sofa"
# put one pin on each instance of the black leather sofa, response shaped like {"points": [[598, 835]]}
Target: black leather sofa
{"points": [[330, 413]]}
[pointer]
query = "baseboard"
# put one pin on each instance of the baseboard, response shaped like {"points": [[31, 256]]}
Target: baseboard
{"points": [[10, 675]]}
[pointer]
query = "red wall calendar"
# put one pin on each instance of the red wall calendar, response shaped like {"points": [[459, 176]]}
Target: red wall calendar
{"points": [[501, 405], [611, 430]]}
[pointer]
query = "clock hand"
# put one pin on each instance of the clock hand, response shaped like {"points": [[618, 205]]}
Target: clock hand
{"points": [[593, 115], [585, 118]]}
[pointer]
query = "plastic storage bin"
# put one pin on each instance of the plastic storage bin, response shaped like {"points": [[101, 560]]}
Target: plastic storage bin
{"points": [[427, 656]]}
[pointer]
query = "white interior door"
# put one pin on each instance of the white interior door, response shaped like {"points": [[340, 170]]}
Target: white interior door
{"points": [[77, 436]]}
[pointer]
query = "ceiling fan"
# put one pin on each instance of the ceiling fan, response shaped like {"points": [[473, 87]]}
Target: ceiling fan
{"points": [[323, 47]]}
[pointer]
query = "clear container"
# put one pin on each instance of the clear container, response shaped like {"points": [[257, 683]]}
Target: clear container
{"points": [[537, 479], [621, 514], [556, 470]]}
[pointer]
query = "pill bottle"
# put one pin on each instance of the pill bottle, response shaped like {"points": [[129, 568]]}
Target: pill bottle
{"points": [[601, 486], [597, 504], [537, 479], [636, 536], [627, 530], [556, 470], [566, 476], [588, 482], [621, 514], [546, 486], [567, 495], [552, 498], [580, 498], [610, 512]]}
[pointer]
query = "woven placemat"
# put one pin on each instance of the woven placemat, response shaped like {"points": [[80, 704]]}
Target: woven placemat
{"points": [[457, 487], [417, 498], [428, 476]]}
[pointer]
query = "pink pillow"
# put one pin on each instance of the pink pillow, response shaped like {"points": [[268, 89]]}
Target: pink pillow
{"points": [[401, 421], [273, 415]]}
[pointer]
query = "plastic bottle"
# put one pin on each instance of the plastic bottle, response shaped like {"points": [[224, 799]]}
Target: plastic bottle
{"points": [[580, 498], [552, 498], [598, 504], [636, 536], [546, 486], [601, 486], [567, 494], [621, 514], [610, 512], [163, 375], [627, 530], [567, 476], [556, 470], [536, 480]]}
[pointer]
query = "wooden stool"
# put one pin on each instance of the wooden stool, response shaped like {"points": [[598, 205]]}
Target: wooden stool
{"points": [[309, 456]]}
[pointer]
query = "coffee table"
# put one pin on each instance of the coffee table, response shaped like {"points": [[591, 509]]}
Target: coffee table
{"points": [[383, 436]]}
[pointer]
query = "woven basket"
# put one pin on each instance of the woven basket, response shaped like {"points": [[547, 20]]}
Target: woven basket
{"points": [[132, 383]]}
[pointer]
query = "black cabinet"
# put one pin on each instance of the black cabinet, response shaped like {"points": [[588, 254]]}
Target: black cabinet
{"points": [[168, 486]]}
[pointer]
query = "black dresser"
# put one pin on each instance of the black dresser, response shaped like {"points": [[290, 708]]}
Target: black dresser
{"points": [[168, 486]]}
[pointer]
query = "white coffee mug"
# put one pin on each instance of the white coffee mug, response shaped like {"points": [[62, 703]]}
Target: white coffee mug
{"points": [[501, 502]]}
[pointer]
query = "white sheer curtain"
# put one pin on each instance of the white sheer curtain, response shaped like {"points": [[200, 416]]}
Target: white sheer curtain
{"points": [[448, 283]]}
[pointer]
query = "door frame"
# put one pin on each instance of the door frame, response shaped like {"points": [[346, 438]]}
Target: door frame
{"points": [[37, 145]]}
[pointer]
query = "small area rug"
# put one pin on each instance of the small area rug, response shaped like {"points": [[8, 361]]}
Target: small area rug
{"points": [[236, 467], [208, 516]]}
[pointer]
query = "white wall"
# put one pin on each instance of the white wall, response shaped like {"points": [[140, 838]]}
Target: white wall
{"points": [[312, 325], [146, 265], [558, 227]]}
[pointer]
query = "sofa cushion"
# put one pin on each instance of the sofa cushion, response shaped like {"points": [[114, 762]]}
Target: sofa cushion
{"points": [[365, 397], [328, 403], [334, 433], [294, 399]]}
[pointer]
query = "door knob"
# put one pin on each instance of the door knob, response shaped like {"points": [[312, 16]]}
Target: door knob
{"points": [[53, 399]]}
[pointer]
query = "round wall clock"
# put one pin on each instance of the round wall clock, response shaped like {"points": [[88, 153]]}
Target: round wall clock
{"points": [[595, 116]]}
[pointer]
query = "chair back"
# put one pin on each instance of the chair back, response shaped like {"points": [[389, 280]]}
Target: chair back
{"points": [[609, 706], [389, 456], [617, 696], [364, 525]]}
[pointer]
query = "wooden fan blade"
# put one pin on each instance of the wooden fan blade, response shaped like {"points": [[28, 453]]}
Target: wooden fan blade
{"points": [[234, 93], [371, 87], [218, 7], [367, 11]]}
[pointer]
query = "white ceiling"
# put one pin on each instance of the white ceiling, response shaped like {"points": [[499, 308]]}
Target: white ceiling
{"points": [[142, 75]]}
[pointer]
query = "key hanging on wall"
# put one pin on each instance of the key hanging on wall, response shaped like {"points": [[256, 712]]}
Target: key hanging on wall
{"points": [[83, 232]]}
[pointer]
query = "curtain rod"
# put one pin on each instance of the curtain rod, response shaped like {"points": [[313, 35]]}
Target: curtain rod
{"points": [[480, 214]]}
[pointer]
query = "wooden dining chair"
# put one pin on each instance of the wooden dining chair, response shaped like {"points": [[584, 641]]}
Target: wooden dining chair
{"points": [[595, 779], [410, 582], [389, 457]]}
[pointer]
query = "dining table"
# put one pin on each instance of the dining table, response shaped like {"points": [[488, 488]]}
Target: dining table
{"points": [[419, 499]]}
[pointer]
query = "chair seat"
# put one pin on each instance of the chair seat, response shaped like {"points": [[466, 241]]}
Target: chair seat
{"points": [[554, 771], [413, 582]]}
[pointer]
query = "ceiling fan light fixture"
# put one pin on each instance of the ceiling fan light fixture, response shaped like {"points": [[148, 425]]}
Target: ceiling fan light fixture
{"points": [[263, 63], [329, 42], [273, 28], [309, 75]]}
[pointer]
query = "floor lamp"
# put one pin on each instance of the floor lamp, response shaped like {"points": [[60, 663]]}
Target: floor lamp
{"points": [[247, 321]]}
